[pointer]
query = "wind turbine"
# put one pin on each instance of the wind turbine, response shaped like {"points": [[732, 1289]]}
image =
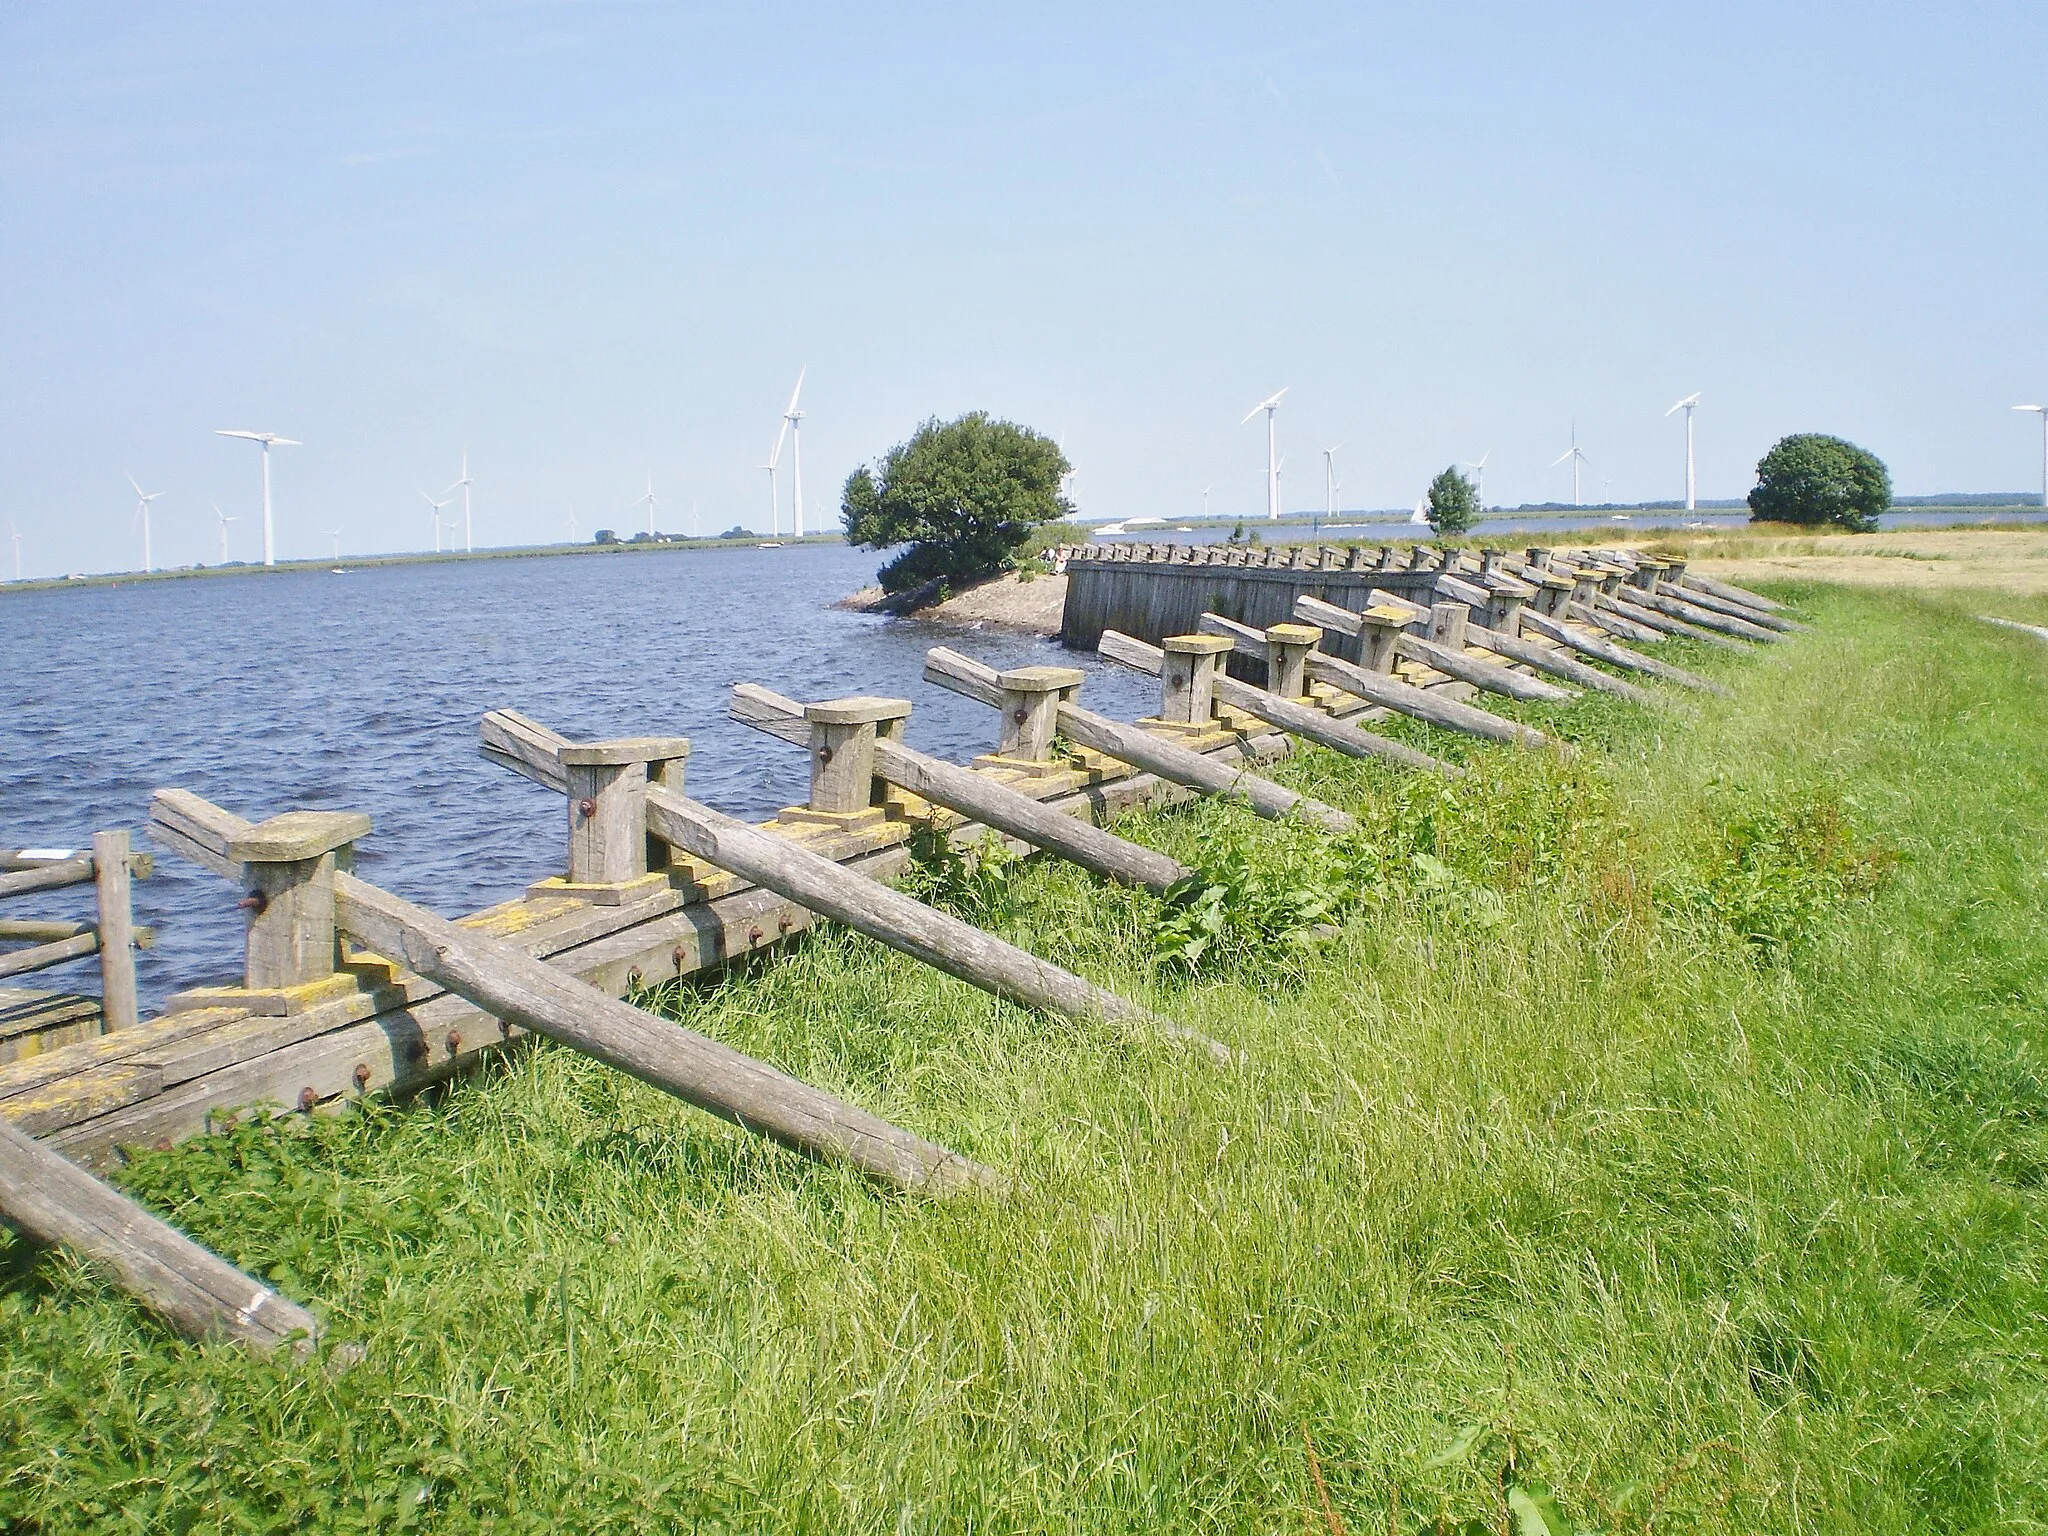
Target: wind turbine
{"points": [[1577, 459], [1329, 483], [2042, 410], [793, 419], [142, 512], [270, 440], [335, 534], [651, 505], [1270, 405], [468, 543], [1479, 476], [572, 523], [1687, 405], [221, 521], [1205, 499], [437, 506]]}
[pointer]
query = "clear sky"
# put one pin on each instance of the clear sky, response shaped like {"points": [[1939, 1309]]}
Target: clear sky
{"points": [[595, 242]]}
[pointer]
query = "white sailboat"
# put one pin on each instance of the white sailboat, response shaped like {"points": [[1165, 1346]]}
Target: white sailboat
{"points": [[1421, 517]]}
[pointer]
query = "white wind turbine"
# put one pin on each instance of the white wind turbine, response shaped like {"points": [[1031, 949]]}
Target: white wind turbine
{"points": [[1270, 405], [437, 506], [2042, 411], [572, 523], [335, 534], [650, 503], [1577, 459], [1688, 405], [793, 419], [1478, 468], [1330, 482], [144, 498], [269, 440], [463, 484], [1205, 499], [221, 521]]}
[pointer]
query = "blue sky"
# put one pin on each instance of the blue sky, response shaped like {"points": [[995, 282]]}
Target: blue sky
{"points": [[595, 242]]}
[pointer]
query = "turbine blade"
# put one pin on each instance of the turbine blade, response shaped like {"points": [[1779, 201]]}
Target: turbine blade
{"points": [[138, 489], [1562, 457], [799, 388]]}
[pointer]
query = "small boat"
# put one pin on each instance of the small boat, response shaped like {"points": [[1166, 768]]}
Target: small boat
{"points": [[1421, 517], [338, 571], [1108, 531], [773, 544]]}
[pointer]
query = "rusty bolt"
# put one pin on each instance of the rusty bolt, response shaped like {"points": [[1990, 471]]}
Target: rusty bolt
{"points": [[454, 1041], [505, 1028], [255, 902], [307, 1099], [824, 754], [587, 807], [1020, 715], [753, 936], [782, 923], [676, 955], [362, 1076]]}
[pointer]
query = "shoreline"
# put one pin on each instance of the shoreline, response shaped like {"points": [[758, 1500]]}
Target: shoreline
{"points": [[373, 562]]}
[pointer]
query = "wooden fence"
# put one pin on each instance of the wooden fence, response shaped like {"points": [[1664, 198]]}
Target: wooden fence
{"points": [[32, 1022]]}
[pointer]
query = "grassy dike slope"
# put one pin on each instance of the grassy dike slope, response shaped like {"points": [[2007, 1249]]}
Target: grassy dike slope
{"points": [[1736, 1233]]}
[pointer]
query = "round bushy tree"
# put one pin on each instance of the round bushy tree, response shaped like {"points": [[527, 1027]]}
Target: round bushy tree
{"points": [[962, 495], [1813, 478], [1453, 503]]}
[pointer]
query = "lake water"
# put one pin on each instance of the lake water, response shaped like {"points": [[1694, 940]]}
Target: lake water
{"points": [[363, 692]]}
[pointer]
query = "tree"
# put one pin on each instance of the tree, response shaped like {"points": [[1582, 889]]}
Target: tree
{"points": [[1453, 504], [963, 495], [1813, 478]]}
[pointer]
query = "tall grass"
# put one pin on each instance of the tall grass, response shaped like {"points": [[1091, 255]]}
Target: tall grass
{"points": [[1660, 1136]]}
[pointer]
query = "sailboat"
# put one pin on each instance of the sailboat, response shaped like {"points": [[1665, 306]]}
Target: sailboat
{"points": [[1421, 517]]}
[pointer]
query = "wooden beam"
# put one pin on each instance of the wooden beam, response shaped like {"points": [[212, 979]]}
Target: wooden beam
{"points": [[1707, 618], [1618, 655], [1489, 675], [513, 986], [47, 877], [1734, 594], [40, 931], [1663, 623], [53, 1200], [110, 859], [1703, 599], [986, 800], [887, 915], [21, 961]]}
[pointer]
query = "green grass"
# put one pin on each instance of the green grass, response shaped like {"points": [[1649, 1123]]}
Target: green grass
{"points": [[1680, 1110]]}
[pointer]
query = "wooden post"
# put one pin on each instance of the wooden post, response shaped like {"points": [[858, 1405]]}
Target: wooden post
{"points": [[116, 929], [1447, 623], [843, 735], [1379, 637], [1187, 682], [607, 784], [53, 1200], [292, 946], [1031, 702], [1287, 648]]}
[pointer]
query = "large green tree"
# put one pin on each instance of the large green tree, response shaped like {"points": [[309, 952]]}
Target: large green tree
{"points": [[1813, 478], [962, 495], [1453, 504]]}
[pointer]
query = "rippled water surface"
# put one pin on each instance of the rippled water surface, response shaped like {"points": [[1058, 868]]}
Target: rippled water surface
{"points": [[363, 691]]}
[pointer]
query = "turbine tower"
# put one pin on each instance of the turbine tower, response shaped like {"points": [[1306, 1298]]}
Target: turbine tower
{"points": [[1478, 468], [144, 498], [1330, 482], [468, 542], [1270, 405], [651, 504], [335, 534], [221, 521], [2042, 411], [1687, 405], [437, 506], [271, 440], [1577, 459], [793, 418]]}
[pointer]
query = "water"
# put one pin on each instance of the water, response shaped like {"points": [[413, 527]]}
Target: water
{"points": [[305, 690], [1545, 529]]}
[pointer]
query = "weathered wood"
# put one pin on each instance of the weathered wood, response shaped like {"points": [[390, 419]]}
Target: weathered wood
{"points": [[291, 860], [47, 877], [1650, 618], [1423, 704], [528, 748], [1292, 716], [1190, 665], [606, 788], [35, 858], [20, 962], [1609, 622], [1030, 707], [1707, 600], [1530, 654], [1616, 654], [195, 829], [1488, 675], [1707, 618], [37, 930], [993, 804], [511, 985], [887, 915], [842, 746], [116, 929], [1734, 594], [52, 1200]]}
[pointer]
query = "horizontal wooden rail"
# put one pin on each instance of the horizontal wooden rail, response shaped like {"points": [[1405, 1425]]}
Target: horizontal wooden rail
{"points": [[1706, 618], [53, 1200], [35, 930], [48, 877], [1618, 655]]}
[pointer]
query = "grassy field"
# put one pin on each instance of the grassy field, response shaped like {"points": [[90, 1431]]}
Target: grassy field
{"points": [[1989, 560], [1658, 1144]]}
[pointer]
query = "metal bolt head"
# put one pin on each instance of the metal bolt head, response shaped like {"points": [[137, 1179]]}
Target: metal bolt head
{"points": [[362, 1076], [307, 1099]]}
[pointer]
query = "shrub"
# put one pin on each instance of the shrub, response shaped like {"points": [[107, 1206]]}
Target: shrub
{"points": [[1453, 503], [963, 495], [1813, 478]]}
